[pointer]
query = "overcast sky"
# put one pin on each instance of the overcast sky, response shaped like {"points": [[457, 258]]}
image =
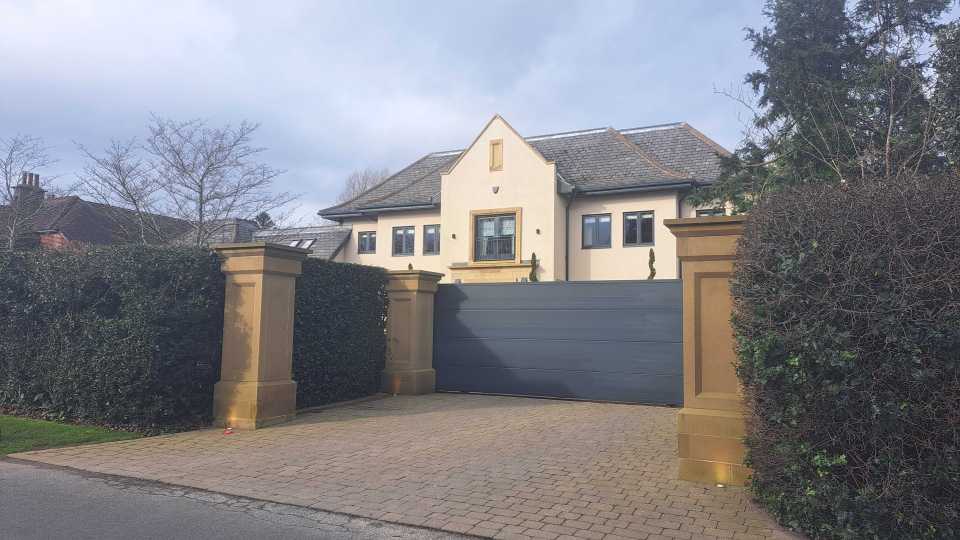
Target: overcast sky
{"points": [[339, 86]]}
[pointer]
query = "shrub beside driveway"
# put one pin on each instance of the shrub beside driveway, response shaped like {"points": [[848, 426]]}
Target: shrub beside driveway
{"points": [[339, 340], [848, 318], [123, 336], [130, 336]]}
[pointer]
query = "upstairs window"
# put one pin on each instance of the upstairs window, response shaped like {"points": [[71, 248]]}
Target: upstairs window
{"points": [[403, 238], [496, 155], [431, 239], [710, 212], [596, 231], [495, 238], [367, 242], [638, 228]]}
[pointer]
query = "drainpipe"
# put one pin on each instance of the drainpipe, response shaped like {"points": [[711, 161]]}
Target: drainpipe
{"points": [[566, 239], [680, 197]]}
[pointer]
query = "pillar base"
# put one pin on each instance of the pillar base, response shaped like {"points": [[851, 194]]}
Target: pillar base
{"points": [[409, 382], [710, 446], [252, 404]]}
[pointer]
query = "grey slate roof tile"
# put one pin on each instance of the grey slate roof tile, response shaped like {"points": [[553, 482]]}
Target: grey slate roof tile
{"points": [[680, 147], [328, 239], [591, 160]]}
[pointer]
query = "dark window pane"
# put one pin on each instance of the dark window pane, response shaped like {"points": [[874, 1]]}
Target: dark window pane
{"points": [[646, 229], [603, 231], [506, 225], [630, 229], [398, 242], [637, 228], [431, 239]]}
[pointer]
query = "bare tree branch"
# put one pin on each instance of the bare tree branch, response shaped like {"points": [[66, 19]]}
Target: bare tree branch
{"points": [[210, 174], [120, 179], [18, 155], [359, 181]]}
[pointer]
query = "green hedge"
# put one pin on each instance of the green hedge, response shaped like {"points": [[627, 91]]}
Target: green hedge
{"points": [[339, 340], [847, 314], [124, 336]]}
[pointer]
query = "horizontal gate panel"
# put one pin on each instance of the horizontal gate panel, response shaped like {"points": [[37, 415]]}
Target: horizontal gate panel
{"points": [[559, 294], [592, 324], [623, 357], [632, 388], [612, 341]]}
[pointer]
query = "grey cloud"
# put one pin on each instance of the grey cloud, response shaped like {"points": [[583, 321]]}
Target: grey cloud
{"points": [[343, 85]]}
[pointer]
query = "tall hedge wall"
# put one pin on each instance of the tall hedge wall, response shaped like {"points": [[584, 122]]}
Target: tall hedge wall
{"points": [[125, 336], [848, 322], [339, 340]]}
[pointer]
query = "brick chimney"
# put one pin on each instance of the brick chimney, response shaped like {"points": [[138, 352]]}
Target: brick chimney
{"points": [[28, 195]]}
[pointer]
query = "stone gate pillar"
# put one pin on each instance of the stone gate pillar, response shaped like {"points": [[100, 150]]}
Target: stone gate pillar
{"points": [[256, 385], [711, 423], [409, 365]]}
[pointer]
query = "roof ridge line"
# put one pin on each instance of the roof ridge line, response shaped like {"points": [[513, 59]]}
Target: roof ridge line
{"points": [[706, 140], [562, 134], [447, 152], [652, 127], [640, 152], [573, 133]]}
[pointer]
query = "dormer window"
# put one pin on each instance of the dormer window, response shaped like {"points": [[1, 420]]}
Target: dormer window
{"points": [[496, 155]]}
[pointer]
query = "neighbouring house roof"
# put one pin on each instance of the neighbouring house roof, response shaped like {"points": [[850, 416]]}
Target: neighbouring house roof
{"points": [[323, 241], [80, 220], [223, 231], [592, 161], [94, 223]]}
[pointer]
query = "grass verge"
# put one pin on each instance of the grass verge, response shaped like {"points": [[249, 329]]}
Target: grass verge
{"points": [[25, 434]]}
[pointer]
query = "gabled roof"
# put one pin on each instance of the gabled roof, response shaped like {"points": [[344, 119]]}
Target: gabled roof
{"points": [[593, 160], [327, 240]]}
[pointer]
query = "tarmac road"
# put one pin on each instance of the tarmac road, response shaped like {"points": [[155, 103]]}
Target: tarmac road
{"points": [[41, 502]]}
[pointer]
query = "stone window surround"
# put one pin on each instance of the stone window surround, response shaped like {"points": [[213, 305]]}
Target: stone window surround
{"points": [[517, 235]]}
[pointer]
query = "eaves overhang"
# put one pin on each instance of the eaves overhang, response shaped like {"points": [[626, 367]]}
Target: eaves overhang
{"points": [[374, 210], [659, 186]]}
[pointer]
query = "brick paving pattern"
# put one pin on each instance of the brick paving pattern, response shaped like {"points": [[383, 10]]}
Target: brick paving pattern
{"points": [[489, 466]]}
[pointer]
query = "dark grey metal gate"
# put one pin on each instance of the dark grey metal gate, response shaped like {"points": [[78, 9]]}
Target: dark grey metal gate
{"points": [[597, 340]]}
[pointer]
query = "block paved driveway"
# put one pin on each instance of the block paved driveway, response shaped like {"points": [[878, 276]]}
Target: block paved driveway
{"points": [[490, 466]]}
